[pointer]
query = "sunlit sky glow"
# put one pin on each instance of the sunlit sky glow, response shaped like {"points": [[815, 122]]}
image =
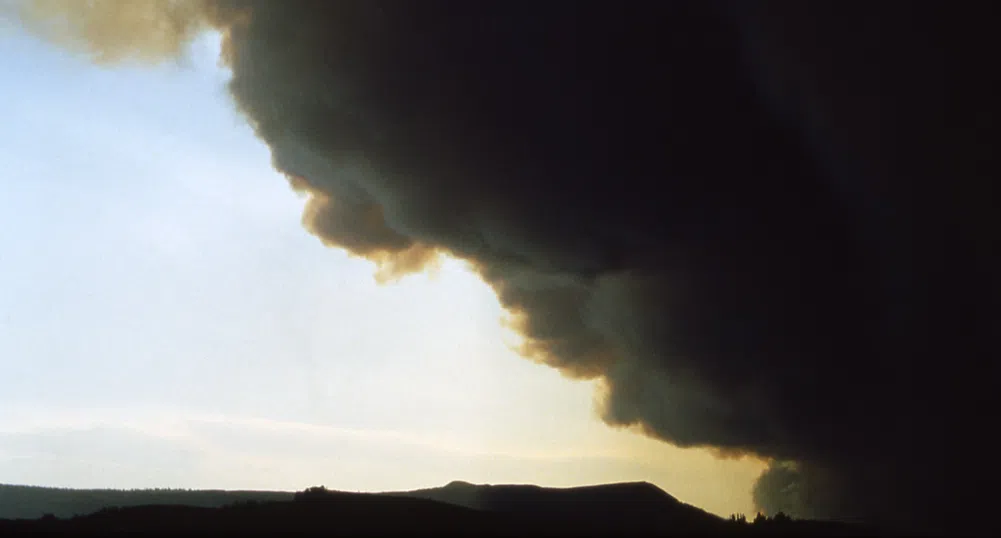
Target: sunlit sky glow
{"points": [[165, 320]]}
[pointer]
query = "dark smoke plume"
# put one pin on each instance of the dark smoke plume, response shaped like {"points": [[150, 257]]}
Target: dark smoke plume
{"points": [[768, 228]]}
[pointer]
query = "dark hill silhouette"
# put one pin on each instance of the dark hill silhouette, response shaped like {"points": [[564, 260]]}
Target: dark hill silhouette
{"points": [[342, 514], [31, 502], [634, 500], [459, 508]]}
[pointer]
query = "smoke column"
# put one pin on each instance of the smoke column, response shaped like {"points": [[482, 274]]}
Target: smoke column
{"points": [[766, 228]]}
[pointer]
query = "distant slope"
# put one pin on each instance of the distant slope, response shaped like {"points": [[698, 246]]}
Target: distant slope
{"points": [[357, 514], [630, 503], [483, 510], [29, 502], [338, 515]]}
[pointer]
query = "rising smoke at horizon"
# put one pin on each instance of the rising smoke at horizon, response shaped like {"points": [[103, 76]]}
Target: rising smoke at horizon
{"points": [[765, 228]]}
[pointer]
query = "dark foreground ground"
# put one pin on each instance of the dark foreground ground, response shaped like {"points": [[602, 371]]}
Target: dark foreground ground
{"points": [[616, 509]]}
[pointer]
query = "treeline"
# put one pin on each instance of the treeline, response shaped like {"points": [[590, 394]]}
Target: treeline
{"points": [[760, 519], [32, 502]]}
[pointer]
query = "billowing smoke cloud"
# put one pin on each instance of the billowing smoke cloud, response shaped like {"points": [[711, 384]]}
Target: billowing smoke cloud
{"points": [[766, 228]]}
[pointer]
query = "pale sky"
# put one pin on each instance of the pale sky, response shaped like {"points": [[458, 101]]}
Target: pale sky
{"points": [[165, 320]]}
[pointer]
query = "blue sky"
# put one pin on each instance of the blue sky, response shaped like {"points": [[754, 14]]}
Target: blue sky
{"points": [[166, 321]]}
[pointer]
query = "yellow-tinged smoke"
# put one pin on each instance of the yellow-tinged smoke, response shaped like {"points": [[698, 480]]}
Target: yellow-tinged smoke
{"points": [[114, 30]]}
